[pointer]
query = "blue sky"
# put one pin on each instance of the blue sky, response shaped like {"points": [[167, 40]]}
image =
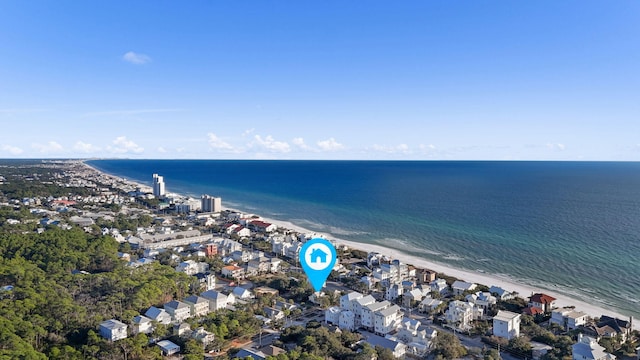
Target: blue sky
{"points": [[543, 80]]}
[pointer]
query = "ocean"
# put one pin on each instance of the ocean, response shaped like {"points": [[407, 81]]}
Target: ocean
{"points": [[570, 227]]}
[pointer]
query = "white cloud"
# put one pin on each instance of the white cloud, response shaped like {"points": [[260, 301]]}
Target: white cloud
{"points": [[136, 58], [122, 145], [429, 147], [330, 145], [161, 150], [13, 150], [556, 147], [50, 147], [269, 143], [85, 147], [218, 144], [299, 142]]}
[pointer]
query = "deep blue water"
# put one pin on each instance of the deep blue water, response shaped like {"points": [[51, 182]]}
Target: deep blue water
{"points": [[575, 225]]}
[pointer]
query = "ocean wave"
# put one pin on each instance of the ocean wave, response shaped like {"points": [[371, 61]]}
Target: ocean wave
{"points": [[341, 231]]}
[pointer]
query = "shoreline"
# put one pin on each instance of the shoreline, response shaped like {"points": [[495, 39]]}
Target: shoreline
{"points": [[488, 279]]}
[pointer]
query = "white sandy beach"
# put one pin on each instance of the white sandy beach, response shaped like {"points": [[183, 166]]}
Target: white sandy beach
{"points": [[469, 276]]}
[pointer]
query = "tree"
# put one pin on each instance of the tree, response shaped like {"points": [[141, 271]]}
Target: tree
{"points": [[448, 346]]}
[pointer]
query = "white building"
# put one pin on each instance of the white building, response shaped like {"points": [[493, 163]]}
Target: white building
{"points": [[191, 267], [142, 324], [113, 330], [217, 300], [198, 305], [393, 292], [210, 204], [568, 318], [369, 310], [158, 315], [428, 305], [462, 313], [359, 305], [347, 320], [459, 287], [439, 285], [332, 315], [178, 310], [506, 324], [347, 302], [158, 186], [587, 348], [387, 320]]}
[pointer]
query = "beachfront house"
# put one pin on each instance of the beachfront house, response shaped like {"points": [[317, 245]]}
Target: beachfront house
{"points": [[506, 324], [610, 327], [542, 301], [568, 318], [459, 287], [500, 293]]}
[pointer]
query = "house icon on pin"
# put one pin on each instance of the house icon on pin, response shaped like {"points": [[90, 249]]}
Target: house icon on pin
{"points": [[318, 255]]}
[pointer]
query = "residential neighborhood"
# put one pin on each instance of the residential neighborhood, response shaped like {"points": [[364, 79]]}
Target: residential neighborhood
{"points": [[241, 291]]}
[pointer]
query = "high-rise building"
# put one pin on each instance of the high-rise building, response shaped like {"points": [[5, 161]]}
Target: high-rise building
{"points": [[211, 204], [158, 186]]}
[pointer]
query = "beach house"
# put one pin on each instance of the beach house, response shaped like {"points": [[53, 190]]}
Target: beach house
{"points": [[506, 324], [387, 320], [178, 310], [568, 318], [542, 301]]}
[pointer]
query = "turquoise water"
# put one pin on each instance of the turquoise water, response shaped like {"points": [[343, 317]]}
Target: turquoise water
{"points": [[572, 227]]}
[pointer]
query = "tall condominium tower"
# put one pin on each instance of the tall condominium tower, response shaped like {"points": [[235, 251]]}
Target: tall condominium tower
{"points": [[211, 204], [158, 186]]}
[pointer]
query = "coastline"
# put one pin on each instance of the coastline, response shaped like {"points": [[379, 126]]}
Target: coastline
{"points": [[488, 279]]}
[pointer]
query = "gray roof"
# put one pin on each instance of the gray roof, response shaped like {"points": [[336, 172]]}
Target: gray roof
{"points": [[378, 305], [366, 300], [141, 319], [176, 305], [155, 312], [113, 324], [212, 294], [167, 345], [195, 299], [375, 340], [389, 311]]}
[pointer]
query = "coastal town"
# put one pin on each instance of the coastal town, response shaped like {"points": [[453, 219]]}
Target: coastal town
{"points": [[228, 285]]}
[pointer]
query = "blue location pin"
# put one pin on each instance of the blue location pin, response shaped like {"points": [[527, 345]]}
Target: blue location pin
{"points": [[317, 257]]}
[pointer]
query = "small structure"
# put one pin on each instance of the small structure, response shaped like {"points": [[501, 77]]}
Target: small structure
{"points": [[506, 324], [113, 330], [168, 348]]}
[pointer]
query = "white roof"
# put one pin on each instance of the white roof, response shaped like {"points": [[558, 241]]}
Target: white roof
{"points": [[505, 316]]}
